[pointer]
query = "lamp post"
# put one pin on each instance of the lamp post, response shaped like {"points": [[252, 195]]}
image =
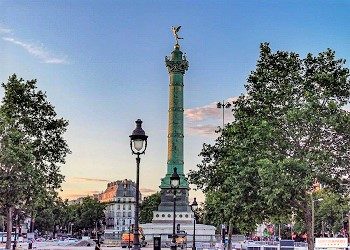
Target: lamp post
{"points": [[313, 217], [194, 207], [138, 145], [71, 229], [174, 183], [224, 105]]}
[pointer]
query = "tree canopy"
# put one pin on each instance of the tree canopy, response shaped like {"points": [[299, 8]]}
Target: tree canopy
{"points": [[290, 130], [148, 205], [32, 146], [331, 213], [89, 214], [60, 216]]}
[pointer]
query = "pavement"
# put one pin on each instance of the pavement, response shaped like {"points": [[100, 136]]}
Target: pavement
{"points": [[75, 248], [24, 246]]}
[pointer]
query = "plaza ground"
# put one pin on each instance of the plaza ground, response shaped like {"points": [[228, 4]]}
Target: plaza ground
{"points": [[25, 247], [43, 246]]}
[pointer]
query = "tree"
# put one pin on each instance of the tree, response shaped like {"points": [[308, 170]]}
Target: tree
{"points": [[57, 216], [89, 214], [212, 215], [290, 131], [330, 213], [31, 146], [148, 205], [53, 215]]}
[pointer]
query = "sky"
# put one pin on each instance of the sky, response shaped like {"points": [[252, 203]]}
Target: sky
{"points": [[102, 66]]}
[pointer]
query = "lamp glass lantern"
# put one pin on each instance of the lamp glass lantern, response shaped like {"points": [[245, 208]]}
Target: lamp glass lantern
{"points": [[194, 205], [175, 179], [138, 139]]}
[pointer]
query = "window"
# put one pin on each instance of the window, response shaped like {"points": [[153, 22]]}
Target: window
{"points": [[129, 206]]}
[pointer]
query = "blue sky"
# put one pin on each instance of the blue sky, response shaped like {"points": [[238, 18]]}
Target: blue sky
{"points": [[102, 66]]}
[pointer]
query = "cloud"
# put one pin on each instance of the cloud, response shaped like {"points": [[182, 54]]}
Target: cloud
{"points": [[201, 113], [35, 50], [5, 30], [205, 120], [205, 130], [73, 196], [147, 190], [209, 111], [89, 179]]}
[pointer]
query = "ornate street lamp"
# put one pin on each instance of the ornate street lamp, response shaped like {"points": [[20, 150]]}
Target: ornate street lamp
{"points": [[138, 145], [224, 105], [194, 207], [174, 183]]}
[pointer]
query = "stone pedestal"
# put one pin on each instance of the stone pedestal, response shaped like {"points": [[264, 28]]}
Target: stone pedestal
{"points": [[167, 200], [204, 233]]}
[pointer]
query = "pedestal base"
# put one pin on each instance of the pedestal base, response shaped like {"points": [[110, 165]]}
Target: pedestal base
{"points": [[204, 233]]}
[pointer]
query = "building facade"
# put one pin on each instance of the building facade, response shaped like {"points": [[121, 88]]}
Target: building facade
{"points": [[120, 210]]}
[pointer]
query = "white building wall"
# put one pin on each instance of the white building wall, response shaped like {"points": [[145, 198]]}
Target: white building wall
{"points": [[120, 211]]}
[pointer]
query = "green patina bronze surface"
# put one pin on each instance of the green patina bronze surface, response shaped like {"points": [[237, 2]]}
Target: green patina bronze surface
{"points": [[177, 65]]}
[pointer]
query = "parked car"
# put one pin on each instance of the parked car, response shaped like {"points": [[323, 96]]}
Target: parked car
{"points": [[71, 240]]}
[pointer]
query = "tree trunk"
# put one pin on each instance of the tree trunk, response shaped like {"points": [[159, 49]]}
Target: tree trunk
{"points": [[229, 235], [308, 223], [31, 225], [54, 231], [9, 227]]}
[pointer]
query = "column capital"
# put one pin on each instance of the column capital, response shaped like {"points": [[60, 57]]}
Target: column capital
{"points": [[176, 66]]}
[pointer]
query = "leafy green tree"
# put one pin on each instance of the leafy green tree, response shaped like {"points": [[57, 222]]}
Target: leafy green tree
{"points": [[57, 216], [200, 213], [290, 130], [330, 212], [211, 214], [31, 146], [52, 216], [45, 222], [89, 214], [148, 205]]}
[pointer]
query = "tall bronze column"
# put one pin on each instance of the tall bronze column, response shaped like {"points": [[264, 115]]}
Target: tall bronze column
{"points": [[177, 65]]}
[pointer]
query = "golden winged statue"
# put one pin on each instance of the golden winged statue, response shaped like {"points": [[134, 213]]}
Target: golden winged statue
{"points": [[175, 30]]}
